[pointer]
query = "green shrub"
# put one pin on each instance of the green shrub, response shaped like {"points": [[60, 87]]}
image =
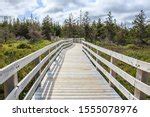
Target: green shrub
{"points": [[131, 46], [10, 45], [23, 46], [1, 45], [9, 53]]}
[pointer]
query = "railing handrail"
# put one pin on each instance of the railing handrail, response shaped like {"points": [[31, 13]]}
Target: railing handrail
{"points": [[145, 66], [9, 70], [137, 82], [25, 81], [9, 74]]}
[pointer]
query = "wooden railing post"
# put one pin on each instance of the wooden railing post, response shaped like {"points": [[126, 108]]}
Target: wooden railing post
{"points": [[97, 52], [112, 60], [37, 61], [10, 84], [90, 49], [142, 76]]}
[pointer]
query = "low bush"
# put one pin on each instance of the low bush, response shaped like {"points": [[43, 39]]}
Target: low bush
{"points": [[131, 46], [23, 46]]}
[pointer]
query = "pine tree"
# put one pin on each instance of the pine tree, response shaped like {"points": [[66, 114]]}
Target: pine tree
{"points": [[140, 27], [87, 28], [57, 29], [110, 29], [69, 25], [94, 30], [100, 34], [47, 27]]}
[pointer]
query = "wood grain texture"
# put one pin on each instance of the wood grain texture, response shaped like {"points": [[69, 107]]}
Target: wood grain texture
{"points": [[127, 94], [77, 78]]}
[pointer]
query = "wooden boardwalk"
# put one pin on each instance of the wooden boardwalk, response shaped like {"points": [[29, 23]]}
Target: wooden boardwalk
{"points": [[73, 76], [65, 70]]}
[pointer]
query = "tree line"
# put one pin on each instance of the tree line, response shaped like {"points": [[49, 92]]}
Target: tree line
{"points": [[81, 27]]}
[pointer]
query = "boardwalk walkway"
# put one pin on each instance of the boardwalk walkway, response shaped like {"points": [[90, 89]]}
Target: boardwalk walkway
{"points": [[77, 78]]}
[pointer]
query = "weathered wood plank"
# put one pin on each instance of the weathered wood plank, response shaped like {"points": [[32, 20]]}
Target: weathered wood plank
{"points": [[112, 79], [77, 79], [113, 73], [143, 77], [10, 84], [35, 85], [15, 93]]}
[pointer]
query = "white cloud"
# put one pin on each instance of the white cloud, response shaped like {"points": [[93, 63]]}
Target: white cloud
{"points": [[16, 7], [122, 10]]}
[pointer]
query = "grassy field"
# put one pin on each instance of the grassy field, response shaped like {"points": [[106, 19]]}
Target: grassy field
{"points": [[141, 53], [12, 51]]}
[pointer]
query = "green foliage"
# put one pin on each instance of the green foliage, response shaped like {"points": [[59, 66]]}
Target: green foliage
{"points": [[13, 51], [132, 50], [47, 27], [69, 28], [108, 31], [81, 27], [140, 27], [23, 46], [131, 46], [110, 27], [100, 30], [16, 50]]}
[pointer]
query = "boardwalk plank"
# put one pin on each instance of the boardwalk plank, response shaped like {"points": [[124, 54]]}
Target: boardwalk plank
{"points": [[77, 79]]}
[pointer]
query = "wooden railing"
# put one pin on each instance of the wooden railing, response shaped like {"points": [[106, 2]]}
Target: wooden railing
{"points": [[9, 74], [78, 40], [143, 70]]}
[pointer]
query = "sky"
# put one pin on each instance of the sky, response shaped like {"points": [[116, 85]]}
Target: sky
{"points": [[122, 10]]}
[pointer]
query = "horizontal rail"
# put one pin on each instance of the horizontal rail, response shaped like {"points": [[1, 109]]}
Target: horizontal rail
{"points": [[145, 66], [112, 79], [16, 92], [39, 79], [141, 88], [51, 51], [8, 71], [134, 82]]}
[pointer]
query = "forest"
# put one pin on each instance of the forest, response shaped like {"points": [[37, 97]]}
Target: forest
{"points": [[81, 27]]}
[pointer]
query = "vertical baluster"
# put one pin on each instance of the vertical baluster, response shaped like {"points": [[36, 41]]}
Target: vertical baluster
{"points": [[97, 52], [112, 60], [10, 84], [37, 61], [142, 76]]}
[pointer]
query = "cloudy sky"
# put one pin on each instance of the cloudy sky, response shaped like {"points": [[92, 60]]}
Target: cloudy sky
{"points": [[122, 10]]}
